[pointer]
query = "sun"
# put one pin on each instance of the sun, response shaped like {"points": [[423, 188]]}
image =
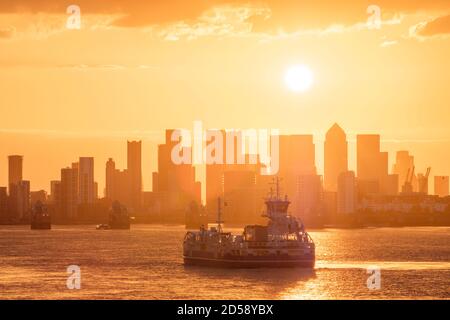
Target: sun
{"points": [[299, 78]]}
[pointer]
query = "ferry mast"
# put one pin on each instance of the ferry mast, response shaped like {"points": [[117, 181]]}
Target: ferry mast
{"points": [[219, 215]]}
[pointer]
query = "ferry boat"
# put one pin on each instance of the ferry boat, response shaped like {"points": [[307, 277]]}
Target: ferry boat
{"points": [[283, 242], [40, 218]]}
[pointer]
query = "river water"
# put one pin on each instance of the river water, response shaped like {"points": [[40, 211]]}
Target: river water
{"points": [[146, 263]]}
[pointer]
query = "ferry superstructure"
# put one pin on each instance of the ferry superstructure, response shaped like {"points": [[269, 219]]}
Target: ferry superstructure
{"points": [[283, 242]]}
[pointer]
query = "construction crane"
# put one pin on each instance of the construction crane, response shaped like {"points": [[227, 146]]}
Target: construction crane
{"points": [[423, 181], [407, 187]]}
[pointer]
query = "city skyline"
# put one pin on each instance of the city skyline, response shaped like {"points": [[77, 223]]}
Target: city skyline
{"points": [[147, 154], [335, 135]]}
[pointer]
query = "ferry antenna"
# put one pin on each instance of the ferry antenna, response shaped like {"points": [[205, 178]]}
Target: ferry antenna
{"points": [[276, 181], [219, 215]]}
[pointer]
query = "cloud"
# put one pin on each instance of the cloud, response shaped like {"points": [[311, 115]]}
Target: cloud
{"points": [[438, 26], [388, 43], [222, 21], [284, 15]]}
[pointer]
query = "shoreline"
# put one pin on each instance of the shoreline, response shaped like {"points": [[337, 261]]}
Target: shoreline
{"points": [[311, 228]]}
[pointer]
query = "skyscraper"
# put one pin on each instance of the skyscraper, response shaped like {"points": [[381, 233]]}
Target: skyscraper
{"points": [[19, 190], [76, 170], [3, 204], [55, 192], [176, 185], [118, 184], [297, 158], [372, 165], [346, 193], [309, 197], [404, 164], [236, 178], [24, 199], [240, 196], [367, 156], [215, 177], [134, 167], [441, 186], [86, 188], [335, 156], [69, 195], [14, 171], [110, 181]]}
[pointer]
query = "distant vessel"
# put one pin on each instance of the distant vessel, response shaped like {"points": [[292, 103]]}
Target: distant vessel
{"points": [[196, 216], [282, 243], [102, 226], [40, 218], [119, 217]]}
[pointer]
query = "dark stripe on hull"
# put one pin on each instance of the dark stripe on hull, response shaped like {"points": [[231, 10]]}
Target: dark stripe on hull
{"points": [[235, 263], [41, 227]]}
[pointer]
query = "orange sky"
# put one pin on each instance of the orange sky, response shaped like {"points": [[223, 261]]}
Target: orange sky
{"points": [[135, 68]]}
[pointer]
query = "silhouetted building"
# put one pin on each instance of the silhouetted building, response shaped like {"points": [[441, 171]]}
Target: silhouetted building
{"points": [[372, 165], [36, 196], [69, 194], [330, 206], [367, 188], [422, 181], [118, 184], [3, 204], [413, 204], [335, 156], [175, 183], [403, 167], [297, 158], [76, 168], [391, 185], [134, 167], [215, 176], [441, 186], [23, 203], [19, 190], [240, 196], [110, 183], [14, 170], [95, 191], [346, 193], [309, 197], [121, 187], [236, 177], [55, 192], [86, 185]]}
